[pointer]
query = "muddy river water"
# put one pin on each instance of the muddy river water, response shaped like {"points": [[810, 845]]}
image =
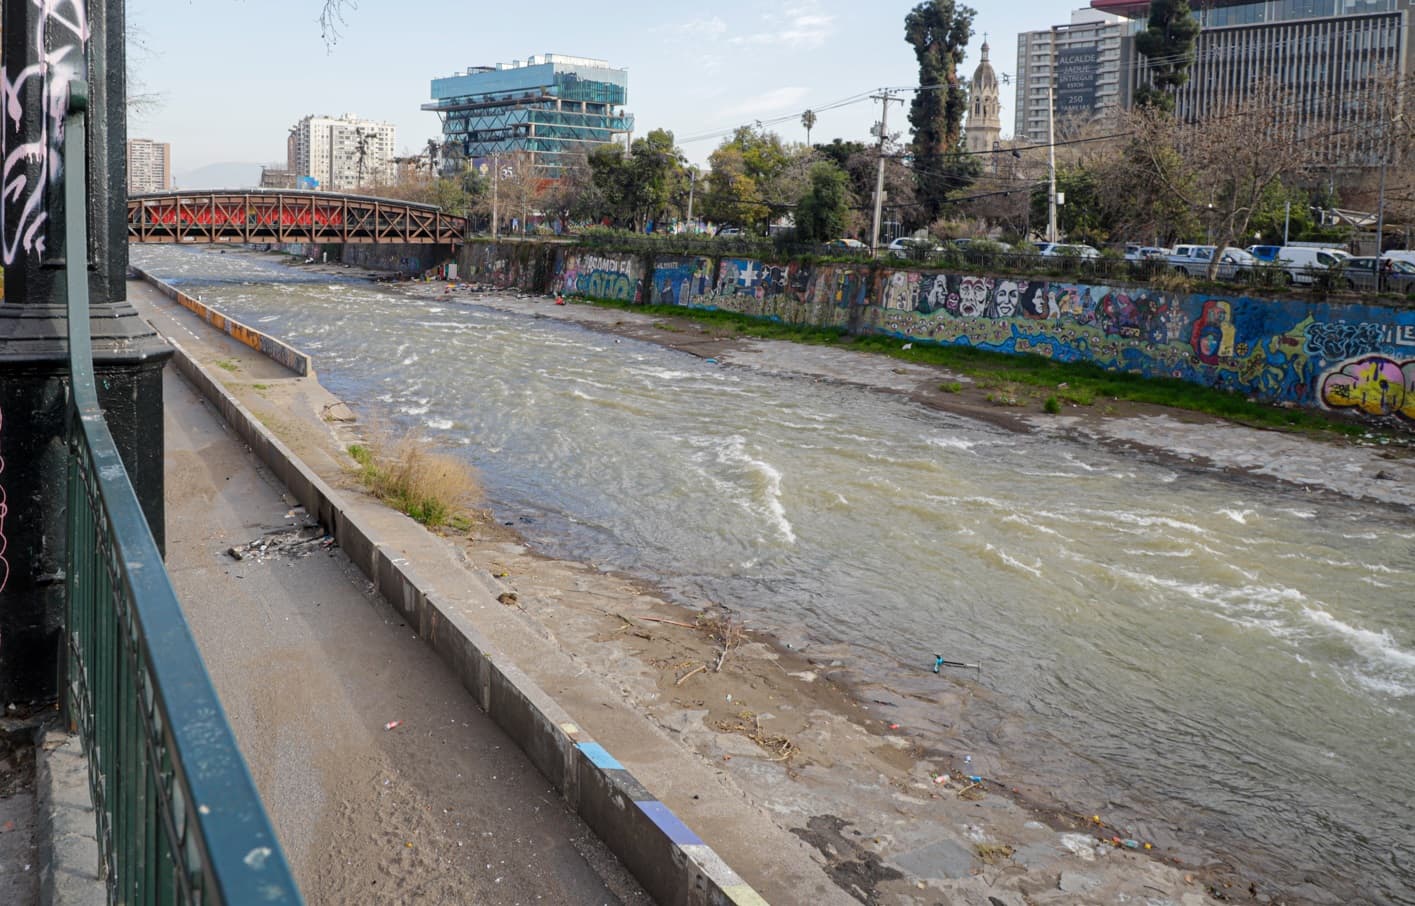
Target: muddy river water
{"points": [[1228, 664]]}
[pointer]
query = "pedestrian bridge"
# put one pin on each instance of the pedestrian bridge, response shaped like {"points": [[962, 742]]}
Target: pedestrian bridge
{"points": [[250, 215]]}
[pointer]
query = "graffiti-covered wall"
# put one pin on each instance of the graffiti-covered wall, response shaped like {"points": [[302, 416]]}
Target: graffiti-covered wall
{"points": [[597, 275], [1341, 356]]}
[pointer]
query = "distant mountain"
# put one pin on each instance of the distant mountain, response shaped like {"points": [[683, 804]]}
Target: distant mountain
{"points": [[219, 176]]}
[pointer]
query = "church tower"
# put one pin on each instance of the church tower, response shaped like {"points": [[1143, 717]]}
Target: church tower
{"points": [[984, 111]]}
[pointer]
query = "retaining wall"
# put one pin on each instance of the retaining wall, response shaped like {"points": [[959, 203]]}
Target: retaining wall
{"points": [[1350, 356], [263, 343]]}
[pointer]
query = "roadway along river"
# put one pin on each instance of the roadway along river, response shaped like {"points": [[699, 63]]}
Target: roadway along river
{"points": [[1229, 665]]}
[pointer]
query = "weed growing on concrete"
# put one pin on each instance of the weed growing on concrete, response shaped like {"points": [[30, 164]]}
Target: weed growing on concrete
{"points": [[1052, 405], [228, 364], [951, 386], [993, 853], [434, 488]]}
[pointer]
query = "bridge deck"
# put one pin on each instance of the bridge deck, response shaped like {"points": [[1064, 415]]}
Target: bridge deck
{"points": [[287, 217]]}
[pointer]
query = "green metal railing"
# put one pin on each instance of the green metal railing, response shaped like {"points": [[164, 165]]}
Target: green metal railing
{"points": [[179, 818]]}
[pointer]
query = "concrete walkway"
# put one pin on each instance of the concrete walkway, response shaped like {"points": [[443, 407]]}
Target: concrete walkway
{"points": [[314, 669]]}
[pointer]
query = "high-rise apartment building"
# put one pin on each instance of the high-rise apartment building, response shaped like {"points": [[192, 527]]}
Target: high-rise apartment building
{"points": [[1331, 59], [551, 106], [342, 153], [1092, 72], [149, 166]]}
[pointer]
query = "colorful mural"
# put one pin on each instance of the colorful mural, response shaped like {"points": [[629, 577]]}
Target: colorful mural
{"points": [[682, 281], [614, 277], [1346, 357]]}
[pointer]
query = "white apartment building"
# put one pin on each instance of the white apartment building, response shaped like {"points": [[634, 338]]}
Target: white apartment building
{"points": [[342, 153], [149, 166], [1093, 75]]}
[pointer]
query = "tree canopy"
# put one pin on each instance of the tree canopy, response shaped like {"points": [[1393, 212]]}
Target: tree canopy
{"points": [[1168, 47], [822, 211], [939, 31]]}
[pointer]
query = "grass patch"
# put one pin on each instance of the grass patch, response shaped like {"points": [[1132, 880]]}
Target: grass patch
{"points": [[1082, 383], [260, 386], [1052, 405], [228, 364], [434, 488], [951, 386]]}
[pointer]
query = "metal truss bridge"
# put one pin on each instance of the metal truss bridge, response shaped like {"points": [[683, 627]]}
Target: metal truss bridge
{"points": [[286, 216]]}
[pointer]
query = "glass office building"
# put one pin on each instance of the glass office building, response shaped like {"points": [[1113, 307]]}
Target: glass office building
{"points": [[1336, 60], [552, 106]]}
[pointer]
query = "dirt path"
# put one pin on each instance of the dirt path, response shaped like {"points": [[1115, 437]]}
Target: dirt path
{"points": [[439, 807]]}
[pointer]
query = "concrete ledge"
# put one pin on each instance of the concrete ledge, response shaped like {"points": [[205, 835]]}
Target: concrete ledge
{"points": [[68, 829], [669, 860], [264, 343]]}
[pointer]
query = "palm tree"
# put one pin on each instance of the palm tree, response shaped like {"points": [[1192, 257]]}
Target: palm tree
{"points": [[808, 119]]}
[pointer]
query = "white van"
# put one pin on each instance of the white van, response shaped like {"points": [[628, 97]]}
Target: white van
{"points": [[1303, 263]]}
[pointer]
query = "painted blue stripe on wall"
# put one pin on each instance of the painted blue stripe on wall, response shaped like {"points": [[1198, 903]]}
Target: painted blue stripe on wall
{"points": [[598, 756], [668, 822]]}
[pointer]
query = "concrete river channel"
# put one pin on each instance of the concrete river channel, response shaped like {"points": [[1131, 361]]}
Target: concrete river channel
{"points": [[1227, 664]]}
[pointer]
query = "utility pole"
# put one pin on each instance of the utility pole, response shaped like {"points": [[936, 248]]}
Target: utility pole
{"points": [[495, 181], [884, 97], [1051, 142], [692, 184]]}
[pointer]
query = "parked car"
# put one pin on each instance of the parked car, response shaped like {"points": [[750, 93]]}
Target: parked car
{"points": [[1145, 253], [1264, 253], [730, 231], [853, 245], [1193, 261], [1070, 250], [1387, 274], [1303, 263], [909, 247]]}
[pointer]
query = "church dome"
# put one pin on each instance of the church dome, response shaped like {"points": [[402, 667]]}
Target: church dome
{"points": [[984, 77]]}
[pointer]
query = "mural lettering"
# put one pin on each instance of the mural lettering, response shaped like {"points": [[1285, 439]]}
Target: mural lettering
{"points": [[599, 277], [1340, 340], [61, 60], [1375, 384]]}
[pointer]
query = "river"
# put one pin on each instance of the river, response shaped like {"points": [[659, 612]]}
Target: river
{"points": [[1228, 664]]}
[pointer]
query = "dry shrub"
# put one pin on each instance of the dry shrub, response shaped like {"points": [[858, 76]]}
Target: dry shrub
{"points": [[412, 475]]}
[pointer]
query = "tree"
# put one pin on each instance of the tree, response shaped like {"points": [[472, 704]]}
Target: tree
{"points": [[939, 31], [1222, 168], [821, 212], [1168, 47], [840, 151], [331, 19], [751, 178], [808, 121], [641, 187]]}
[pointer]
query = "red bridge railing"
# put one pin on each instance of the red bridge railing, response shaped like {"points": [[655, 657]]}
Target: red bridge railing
{"points": [[286, 216]]}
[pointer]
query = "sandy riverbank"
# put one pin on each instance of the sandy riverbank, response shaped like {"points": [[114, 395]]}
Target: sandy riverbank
{"points": [[821, 757]]}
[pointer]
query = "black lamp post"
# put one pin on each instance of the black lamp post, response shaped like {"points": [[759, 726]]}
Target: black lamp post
{"points": [[44, 44]]}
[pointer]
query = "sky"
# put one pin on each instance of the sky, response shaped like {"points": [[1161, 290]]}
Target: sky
{"points": [[230, 77]]}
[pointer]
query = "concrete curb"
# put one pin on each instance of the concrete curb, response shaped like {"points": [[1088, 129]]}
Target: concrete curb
{"points": [[68, 830], [264, 343], [672, 863]]}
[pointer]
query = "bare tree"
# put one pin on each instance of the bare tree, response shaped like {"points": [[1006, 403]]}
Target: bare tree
{"points": [[331, 19], [1220, 168]]}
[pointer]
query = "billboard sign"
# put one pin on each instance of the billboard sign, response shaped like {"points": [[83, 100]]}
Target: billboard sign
{"points": [[1077, 70]]}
